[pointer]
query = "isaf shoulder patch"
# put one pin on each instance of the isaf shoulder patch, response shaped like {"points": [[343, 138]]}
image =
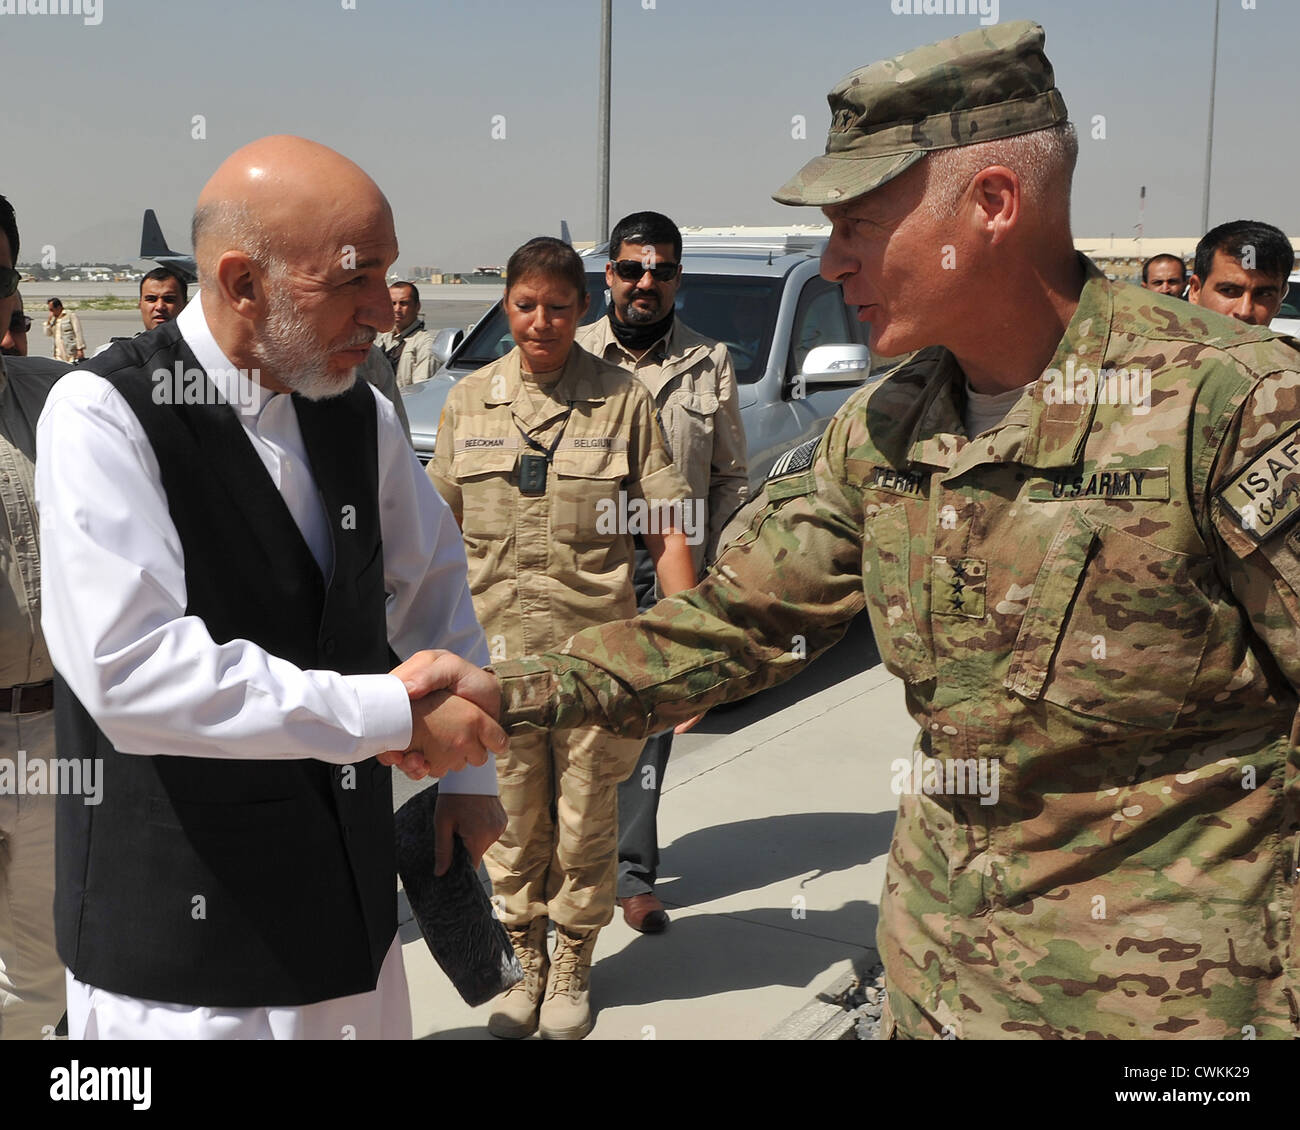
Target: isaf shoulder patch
{"points": [[1265, 496]]}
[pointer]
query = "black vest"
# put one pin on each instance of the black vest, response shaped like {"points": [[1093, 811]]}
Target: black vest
{"points": [[244, 883]]}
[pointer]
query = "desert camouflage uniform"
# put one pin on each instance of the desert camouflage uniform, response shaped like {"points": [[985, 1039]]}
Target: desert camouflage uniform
{"points": [[540, 569], [694, 387], [1083, 595]]}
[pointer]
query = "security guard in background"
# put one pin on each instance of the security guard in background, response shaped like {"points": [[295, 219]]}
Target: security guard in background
{"points": [[1072, 516], [32, 978], [694, 388], [551, 460]]}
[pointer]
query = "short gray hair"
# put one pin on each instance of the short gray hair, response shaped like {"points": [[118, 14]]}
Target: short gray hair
{"points": [[1043, 159], [233, 226]]}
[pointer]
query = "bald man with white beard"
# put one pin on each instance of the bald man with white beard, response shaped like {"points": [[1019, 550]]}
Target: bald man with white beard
{"points": [[239, 548]]}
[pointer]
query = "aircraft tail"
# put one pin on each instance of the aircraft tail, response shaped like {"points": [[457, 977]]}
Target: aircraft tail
{"points": [[152, 243], [564, 232]]}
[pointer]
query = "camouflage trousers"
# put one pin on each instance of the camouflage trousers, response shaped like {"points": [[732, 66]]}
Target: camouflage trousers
{"points": [[558, 857]]}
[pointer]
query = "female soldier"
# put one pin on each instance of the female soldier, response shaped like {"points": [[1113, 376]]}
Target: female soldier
{"points": [[551, 459]]}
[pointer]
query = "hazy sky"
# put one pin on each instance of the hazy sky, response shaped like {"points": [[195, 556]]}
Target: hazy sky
{"points": [[101, 116]]}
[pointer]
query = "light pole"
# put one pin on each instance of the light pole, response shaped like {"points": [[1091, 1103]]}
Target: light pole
{"points": [[1209, 133], [602, 127]]}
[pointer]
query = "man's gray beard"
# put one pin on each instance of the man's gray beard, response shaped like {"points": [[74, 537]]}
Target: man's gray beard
{"points": [[292, 353]]}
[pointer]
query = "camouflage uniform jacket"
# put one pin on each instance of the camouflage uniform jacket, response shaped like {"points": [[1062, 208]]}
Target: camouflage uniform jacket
{"points": [[542, 567], [1101, 599], [694, 387], [24, 384]]}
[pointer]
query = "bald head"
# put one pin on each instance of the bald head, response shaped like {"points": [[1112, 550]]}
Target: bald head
{"points": [[286, 197], [292, 242]]}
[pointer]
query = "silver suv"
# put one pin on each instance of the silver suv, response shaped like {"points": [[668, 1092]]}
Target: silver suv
{"points": [[797, 353]]}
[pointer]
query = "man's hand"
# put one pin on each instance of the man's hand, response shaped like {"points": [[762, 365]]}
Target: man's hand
{"points": [[478, 820], [428, 671], [689, 724], [447, 733], [442, 687]]}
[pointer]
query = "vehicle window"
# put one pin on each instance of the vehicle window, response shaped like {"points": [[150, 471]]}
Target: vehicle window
{"points": [[738, 311], [1291, 303], [821, 319]]}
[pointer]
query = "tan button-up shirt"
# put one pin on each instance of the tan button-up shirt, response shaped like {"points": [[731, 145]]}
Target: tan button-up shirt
{"points": [[66, 331], [694, 387], [24, 383], [542, 567], [416, 362]]}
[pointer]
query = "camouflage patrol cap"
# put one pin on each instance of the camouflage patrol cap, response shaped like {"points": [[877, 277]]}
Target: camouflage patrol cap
{"points": [[988, 83]]}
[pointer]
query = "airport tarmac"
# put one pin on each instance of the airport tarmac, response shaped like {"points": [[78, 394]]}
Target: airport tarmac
{"points": [[461, 307]]}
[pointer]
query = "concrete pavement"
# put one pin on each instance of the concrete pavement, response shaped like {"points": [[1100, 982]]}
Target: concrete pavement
{"points": [[774, 827]]}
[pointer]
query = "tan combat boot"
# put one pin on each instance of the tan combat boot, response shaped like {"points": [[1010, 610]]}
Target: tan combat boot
{"points": [[514, 1015], [566, 1012]]}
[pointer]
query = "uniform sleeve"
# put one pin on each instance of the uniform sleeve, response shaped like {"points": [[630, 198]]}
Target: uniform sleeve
{"points": [[783, 592], [422, 360], [439, 469], [76, 330], [652, 475], [1254, 506], [729, 468]]}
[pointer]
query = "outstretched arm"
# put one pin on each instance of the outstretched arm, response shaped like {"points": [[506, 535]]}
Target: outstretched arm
{"points": [[782, 592]]}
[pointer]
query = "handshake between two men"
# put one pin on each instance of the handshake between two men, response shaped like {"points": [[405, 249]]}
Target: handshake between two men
{"points": [[454, 711], [454, 708]]}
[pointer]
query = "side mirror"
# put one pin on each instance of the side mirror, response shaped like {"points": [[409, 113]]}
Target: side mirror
{"points": [[836, 364], [445, 342]]}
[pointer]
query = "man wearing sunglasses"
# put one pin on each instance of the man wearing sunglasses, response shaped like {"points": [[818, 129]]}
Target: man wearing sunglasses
{"points": [[694, 387], [14, 342], [31, 975]]}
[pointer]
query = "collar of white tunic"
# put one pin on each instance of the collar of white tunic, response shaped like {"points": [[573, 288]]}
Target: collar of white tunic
{"points": [[271, 425]]}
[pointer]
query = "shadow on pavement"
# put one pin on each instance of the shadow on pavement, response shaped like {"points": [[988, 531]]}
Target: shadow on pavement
{"points": [[748, 855], [706, 955]]}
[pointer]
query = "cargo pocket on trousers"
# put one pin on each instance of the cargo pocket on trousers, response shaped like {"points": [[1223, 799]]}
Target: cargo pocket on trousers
{"points": [[1116, 628], [886, 582]]}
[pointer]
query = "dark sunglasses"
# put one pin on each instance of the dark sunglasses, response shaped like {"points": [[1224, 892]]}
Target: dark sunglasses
{"points": [[9, 280], [19, 323], [630, 270]]}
